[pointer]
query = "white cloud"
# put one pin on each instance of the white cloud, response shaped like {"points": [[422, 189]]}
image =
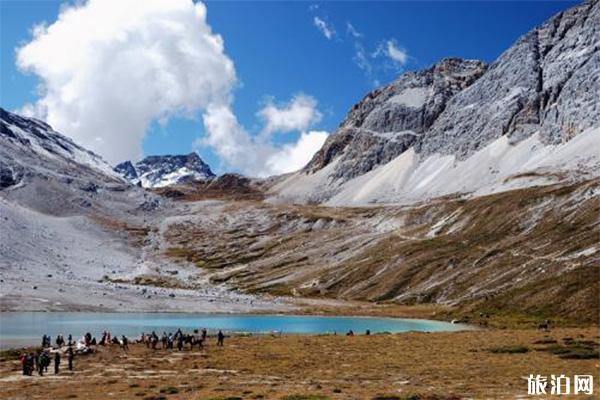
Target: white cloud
{"points": [[297, 115], [396, 53], [256, 155], [326, 29], [108, 68], [352, 31], [253, 156], [296, 155]]}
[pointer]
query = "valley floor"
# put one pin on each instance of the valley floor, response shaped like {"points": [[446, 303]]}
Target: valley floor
{"points": [[430, 365]]}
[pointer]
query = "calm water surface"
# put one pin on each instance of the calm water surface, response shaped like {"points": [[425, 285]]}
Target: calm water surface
{"points": [[20, 328]]}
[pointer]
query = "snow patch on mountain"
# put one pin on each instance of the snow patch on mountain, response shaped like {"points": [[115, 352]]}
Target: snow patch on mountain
{"points": [[41, 142], [161, 171]]}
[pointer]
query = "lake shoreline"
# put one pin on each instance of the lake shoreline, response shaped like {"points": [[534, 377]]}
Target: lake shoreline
{"points": [[466, 364], [26, 328]]}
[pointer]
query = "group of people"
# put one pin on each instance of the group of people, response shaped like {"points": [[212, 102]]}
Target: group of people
{"points": [[179, 339], [41, 360]]}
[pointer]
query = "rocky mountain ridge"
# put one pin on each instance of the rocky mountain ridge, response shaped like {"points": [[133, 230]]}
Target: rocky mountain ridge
{"points": [[165, 170], [543, 89]]}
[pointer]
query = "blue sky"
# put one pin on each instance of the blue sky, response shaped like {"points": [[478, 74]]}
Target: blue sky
{"points": [[279, 52]]}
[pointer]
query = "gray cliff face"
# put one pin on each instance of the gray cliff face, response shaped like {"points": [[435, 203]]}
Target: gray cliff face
{"points": [[547, 82], [390, 119]]}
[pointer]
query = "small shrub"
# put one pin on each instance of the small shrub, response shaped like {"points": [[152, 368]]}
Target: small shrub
{"points": [[169, 390], [515, 349], [575, 350], [545, 341]]}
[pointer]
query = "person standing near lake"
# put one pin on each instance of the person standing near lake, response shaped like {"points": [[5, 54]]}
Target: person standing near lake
{"points": [[220, 338], [24, 364], [125, 343], [30, 363], [39, 363], [70, 358], [180, 342], [56, 362]]}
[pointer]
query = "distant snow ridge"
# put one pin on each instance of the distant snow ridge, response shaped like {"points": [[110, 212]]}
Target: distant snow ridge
{"points": [[23, 139], [160, 171]]}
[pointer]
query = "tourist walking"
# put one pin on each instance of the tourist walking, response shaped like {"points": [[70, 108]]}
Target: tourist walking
{"points": [[220, 338]]}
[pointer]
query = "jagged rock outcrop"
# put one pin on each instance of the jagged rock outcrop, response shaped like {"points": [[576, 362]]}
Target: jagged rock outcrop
{"points": [[543, 89], [390, 119], [159, 171], [547, 82]]}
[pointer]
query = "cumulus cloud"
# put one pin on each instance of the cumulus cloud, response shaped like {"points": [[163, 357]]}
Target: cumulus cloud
{"points": [[108, 68], [297, 115], [257, 155], [325, 28], [296, 155]]}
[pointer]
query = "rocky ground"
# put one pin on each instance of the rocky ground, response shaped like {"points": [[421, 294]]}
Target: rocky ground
{"points": [[476, 365]]}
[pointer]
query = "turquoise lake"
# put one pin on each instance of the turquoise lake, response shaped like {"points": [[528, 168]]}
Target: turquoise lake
{"points": [[20, 328]]}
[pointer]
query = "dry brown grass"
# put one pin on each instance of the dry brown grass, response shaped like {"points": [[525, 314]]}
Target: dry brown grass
{"points": [[135, 234], [509, 255], [456, 365]]}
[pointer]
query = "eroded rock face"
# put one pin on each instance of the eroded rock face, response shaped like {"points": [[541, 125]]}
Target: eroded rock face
{"points": [[547, 82], [390, 119]]}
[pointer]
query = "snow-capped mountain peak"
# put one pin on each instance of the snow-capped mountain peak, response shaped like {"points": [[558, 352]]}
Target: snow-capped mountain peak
{"points": [[31, 145], [165, 170]]}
